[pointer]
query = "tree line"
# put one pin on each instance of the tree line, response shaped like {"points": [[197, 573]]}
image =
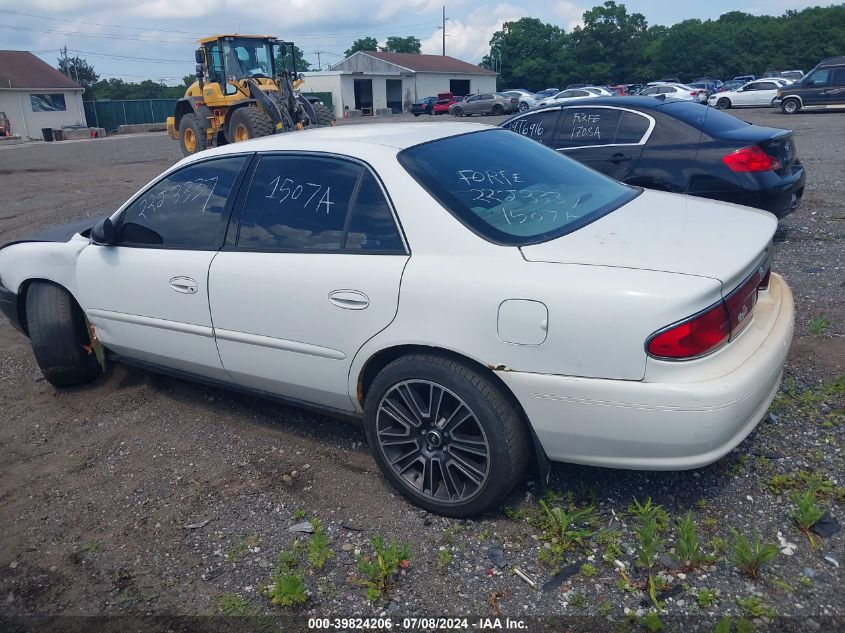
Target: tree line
{"points": [[614, 46]]}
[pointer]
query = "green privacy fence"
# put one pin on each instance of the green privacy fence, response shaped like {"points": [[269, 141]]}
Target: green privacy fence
{"points": [[112, 114]]}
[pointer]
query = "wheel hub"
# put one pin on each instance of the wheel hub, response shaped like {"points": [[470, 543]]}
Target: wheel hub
{"points": [[433, 438]]}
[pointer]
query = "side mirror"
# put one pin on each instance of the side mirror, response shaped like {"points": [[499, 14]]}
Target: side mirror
{"points": [[199, 56], [104, 233]]}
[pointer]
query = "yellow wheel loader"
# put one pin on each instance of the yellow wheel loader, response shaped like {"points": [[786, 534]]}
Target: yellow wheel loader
{"points": [[247, 86]]}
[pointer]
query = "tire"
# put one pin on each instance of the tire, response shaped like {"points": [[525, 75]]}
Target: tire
{"points": [[459, 111], [724, 103], [437, 476], [790, 106], [416, 114], [191, 138], [523, 107], [498, 110], [428, 111], [58, 332], [325, 115], [248, 122]]}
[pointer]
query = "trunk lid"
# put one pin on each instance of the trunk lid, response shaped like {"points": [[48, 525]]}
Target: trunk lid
{"points": [[773, 141], [669, 233]]}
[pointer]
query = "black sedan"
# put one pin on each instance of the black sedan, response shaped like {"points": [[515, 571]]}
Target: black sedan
{"points": [[676, 146], [424, 106]]}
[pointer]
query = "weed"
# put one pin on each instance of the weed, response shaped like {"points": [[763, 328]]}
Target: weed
{"points": [[710, 523], [319, 547], [706, 598], [605, 608], [750, 557], [577, 599], [90, 547], [589, 570], [651, 621], [724, 625], [297, 515], [563, 530], [233, 605], [612, 553], [451, 532], [754, 607], [382, 566], [819, 324], [646, 530], [484, 535], [288, 560], [287, 590], [744, 626], [242, 547], [806, 581], [686, 546], [807, 513], [444, 558], [782, 585], [718, 545], [623, 584]]}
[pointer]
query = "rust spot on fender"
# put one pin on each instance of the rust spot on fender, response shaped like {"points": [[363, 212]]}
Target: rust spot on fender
{"points": [[500, 367]]}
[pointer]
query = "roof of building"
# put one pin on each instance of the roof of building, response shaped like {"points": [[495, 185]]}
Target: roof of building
{"points": [[428, 63], [22, 70]]}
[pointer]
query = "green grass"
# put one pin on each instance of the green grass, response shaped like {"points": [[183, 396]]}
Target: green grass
{"points": [[287, 586], [651, 622], [298, 515], [647, 517], [444, 558], [319, 546], [564, 530], [381, 568], [819, 324], [755, 607], [233, 605], [90, 547], [686, 545], [578, 600], [589, 570], [750, 556], [706, 598], [242, 547], [807, 513]]}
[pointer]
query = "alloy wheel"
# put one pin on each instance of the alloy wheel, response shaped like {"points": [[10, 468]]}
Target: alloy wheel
{"points": [[433, 441]]}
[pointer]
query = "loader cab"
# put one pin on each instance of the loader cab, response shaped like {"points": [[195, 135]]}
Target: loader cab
{"points": [[233, 58]]}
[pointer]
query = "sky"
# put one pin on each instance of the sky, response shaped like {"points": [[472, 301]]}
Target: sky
{"points": [[155, 39]]}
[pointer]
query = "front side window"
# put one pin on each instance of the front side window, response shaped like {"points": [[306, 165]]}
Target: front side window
{"points": [[818, 78], [187, 209], [48, 103], [511, 190]]}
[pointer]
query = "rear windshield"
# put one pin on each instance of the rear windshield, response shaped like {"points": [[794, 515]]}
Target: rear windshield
{"points": [[512, 190], [702, 117]]}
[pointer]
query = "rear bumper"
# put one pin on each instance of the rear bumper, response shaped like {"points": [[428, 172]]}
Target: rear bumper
{"points": [[779, 194], [9, 307], [663, 425]]}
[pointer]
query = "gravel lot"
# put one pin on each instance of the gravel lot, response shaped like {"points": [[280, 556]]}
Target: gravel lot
{"points": [[144, 495]]}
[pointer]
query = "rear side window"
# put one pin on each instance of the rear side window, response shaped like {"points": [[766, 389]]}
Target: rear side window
{"points": [[187, 209], [298, 203], [702, 117], [371, 225], [538, 126], [511, 190], [580, 127], [632, 128], [838, 77]]}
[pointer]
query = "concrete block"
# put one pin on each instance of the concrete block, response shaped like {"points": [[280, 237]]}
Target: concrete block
{"points": [[140, 128], [354, 114], [383, 112]]}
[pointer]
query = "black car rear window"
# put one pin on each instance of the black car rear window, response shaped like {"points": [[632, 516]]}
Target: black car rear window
{"points": [[511, 190], [702, 117]]}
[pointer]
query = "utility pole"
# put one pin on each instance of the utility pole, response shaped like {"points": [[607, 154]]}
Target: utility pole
{"points": [[319, 66], [443, 28]]}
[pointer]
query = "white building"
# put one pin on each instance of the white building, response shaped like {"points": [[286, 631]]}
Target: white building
{"points": [[370, 81], [35, 95]]}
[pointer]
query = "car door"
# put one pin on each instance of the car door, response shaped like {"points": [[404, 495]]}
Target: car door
{"points": [[470, 104], [484, 104], [835, 94], [606, 138], [744, 96], [147, 295], [815, 87], [311, 274], [766, 91]]}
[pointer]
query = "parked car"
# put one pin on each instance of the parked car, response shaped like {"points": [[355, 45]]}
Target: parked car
{"points": [[445, 100], [490, 103], [548, 92], [822, 87], [754, 94], [792, 75], [701, 85], [676, 91], [731, 85], [618, 89], [598, 90], [745, 78], [714, 84], [527, 100], [424, 106], [568, 95], [675, 146], [462, 302]]}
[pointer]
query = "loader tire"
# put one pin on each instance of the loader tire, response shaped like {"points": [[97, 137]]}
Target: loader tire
{"points": [[191, 137], [325, 116], [249, 122], [58, 333]]}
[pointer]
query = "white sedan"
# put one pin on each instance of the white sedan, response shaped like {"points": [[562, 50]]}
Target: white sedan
{"points": [[754, 94], [676, 91], [567, 96], [456, 288]]}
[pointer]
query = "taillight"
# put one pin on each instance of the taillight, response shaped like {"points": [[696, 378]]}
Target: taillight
{"points": [[750, 159], [707, 331], [694, 337]]}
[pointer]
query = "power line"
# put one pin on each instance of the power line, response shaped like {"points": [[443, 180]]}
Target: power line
{"points": [[118, 26]]}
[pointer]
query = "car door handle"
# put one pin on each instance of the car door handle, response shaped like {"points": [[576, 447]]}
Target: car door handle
{"points": [[349, 299], [619, 158], [185, 285]]}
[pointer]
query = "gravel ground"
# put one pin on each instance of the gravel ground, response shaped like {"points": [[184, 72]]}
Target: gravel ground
{"points": [[143, 495]]}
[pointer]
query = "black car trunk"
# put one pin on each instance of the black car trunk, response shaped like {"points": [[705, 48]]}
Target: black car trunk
{"points": [[775, 142]]}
